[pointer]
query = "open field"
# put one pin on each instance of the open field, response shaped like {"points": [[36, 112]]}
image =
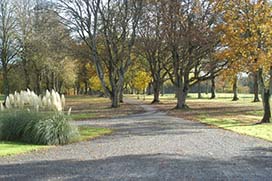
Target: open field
{"points": [[192, 96], [8, 148], [91, 107], [240, 116]]}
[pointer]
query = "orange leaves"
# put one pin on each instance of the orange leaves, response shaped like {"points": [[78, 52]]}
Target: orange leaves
{"points": [[246, 34]]}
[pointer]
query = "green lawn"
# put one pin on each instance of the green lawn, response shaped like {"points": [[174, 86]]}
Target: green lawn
{"points": [[82, 116], [93, 107], [263, 131], [13, 148], [239, 116], [193, 96], [87, 133]]}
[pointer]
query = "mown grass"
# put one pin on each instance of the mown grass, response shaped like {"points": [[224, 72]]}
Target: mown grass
{"points": [[263, 131], [82, 116], [14, 148], [87, 133], [92, 107], [239, 116], [193, 96]]}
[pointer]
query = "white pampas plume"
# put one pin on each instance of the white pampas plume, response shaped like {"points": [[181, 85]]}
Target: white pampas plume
{"points": [[2, 108], [44, 102], [62, 100], [37, 108], [49, 103], [29, 100], [59, 104], [69, 111], [7, 103], [11, 99], [56, 102], [47, 93], [40, 101]]}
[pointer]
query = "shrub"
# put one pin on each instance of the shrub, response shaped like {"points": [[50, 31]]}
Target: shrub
{"points": [[37, 128], [36, 119]]}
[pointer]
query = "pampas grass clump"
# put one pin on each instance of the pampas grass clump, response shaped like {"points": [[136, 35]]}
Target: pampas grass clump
{"points": [[37, 128], [36, 119], [51, 101]]}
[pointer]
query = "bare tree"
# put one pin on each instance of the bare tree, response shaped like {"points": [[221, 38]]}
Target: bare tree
{"points": [[151, 46], [24, 17], [8, 41], [189, 33], [114, 23]]}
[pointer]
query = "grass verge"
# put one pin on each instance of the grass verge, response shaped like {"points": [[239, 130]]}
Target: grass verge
{"points": [[15, 148], [262, 131], [88, 133], [239, 116], [82, 116]]}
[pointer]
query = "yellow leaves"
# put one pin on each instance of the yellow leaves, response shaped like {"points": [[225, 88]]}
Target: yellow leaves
{"points": [[141, 80], [95, 83], [246, 34]]}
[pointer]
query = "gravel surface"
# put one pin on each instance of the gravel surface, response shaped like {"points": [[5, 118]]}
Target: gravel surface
{"points": [[149, 146]]}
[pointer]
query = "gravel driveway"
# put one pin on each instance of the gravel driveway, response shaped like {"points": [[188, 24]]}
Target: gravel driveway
{"points": [[149, 146]]}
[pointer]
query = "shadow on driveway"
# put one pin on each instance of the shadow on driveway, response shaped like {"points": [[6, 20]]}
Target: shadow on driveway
{"points": [[144, 167]]}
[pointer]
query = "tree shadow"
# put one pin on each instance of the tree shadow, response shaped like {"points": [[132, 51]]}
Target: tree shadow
{"points": [[156, 127], [143, 167]]}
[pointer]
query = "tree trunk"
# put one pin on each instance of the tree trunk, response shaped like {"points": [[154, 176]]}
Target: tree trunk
{"points": [[156, 92], [149, 88], [5, 82], [163, 90], [235, 89], [53, 83], [60, 84], [121, 97], [38, 83], [115, 98], [116, 90], [182, 93], [213, 96], [26, 74], [47, 83], [77, 88], [266, 106], [265, 95], [75, 93], [207, 87], [86, 87], [156, 98], [199, 90], [256, 88]]}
